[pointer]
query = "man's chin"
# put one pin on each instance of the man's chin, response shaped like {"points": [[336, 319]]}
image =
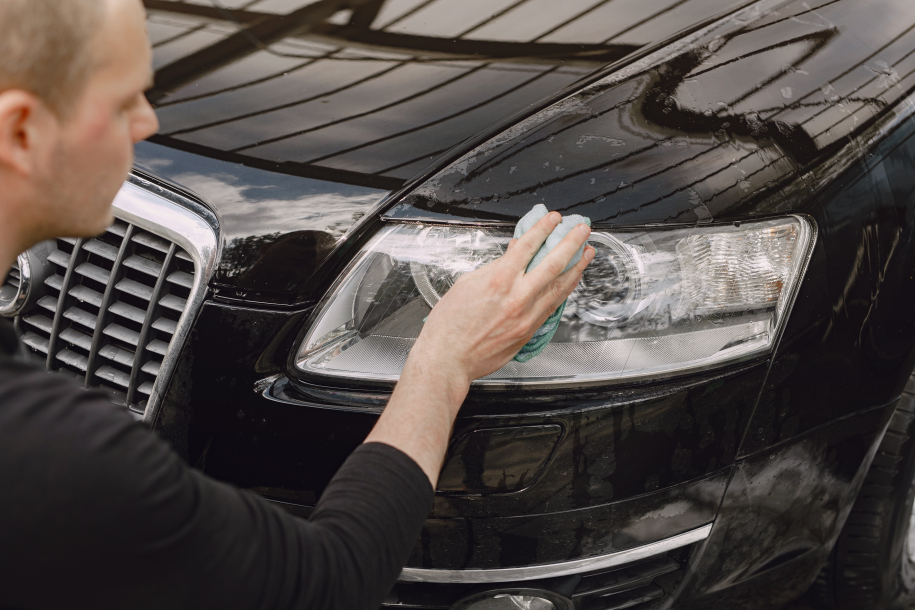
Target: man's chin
{"points": [[84, 228], [102, 225]]}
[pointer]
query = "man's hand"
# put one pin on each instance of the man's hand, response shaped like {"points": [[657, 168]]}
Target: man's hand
{"points": [[488, 315], [478, 326]]}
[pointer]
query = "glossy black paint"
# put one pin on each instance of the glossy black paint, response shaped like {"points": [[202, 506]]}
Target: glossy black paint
{"points": [[460, 543], [291, 143], [701, 136], [782, 512], [603, 473], [498, 460], [286, 442], [218, 416], [373, 95], [276, 228], [614, 444], [850, 339], [228, 351], [781, 441]]}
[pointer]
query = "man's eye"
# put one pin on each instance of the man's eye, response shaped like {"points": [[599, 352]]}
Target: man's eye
{"points": [[131, 103]]}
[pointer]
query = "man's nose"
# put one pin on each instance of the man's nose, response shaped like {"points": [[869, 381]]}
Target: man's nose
{"points": [[146, 122]]}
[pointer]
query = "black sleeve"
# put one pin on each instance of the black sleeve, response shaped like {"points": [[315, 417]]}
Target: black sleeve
{"points": [[97, 512]]}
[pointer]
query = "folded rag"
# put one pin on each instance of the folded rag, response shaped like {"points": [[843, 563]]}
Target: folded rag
{"points": [[545, 333]]}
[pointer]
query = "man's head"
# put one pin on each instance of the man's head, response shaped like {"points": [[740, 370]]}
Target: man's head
{"points": [[72, 77]]}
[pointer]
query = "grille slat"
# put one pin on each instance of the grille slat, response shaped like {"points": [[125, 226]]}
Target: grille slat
{"points": [[97, 246], [75, 337], [36, 342], [135, 314], [114, 376], [135, 289], [173, 302], [151, 367], [84, 318], [60, 258], [119, 228], [116, 331], [111, 309], [86, 294], [116, 354], [158, 347], [73, 359], [165, 325], [144, 265], [55, 281], [40, 322], [151, 241], [182, 279], [93, 272], [49, 303]]}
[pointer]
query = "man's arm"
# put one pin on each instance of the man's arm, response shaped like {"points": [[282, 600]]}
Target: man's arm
{"points": [[100, 514]]}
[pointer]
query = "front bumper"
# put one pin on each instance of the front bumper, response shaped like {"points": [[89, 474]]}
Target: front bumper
{"points": [[633, 467]]}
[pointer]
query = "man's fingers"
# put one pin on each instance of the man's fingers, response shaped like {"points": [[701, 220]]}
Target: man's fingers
{"points": [[511, 244], [521, 253], [560, 289], [559, 257]]}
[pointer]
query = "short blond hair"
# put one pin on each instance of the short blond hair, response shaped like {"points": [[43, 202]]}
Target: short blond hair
{"points": [[46, 47]]}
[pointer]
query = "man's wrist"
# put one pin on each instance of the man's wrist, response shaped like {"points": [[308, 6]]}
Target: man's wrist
{"points": [[428, 364]]}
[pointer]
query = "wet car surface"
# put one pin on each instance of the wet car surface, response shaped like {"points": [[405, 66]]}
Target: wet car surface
{"points": [[311, 131]]}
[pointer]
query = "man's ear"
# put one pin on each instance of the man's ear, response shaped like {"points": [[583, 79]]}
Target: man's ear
{"points": [[26, 128]]}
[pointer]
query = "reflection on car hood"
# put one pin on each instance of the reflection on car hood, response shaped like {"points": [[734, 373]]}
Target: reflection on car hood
{"points": [[369, 95], [292, 117], [705, 129]]}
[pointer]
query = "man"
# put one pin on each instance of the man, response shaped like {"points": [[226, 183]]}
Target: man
{"points": [[95, 511]]}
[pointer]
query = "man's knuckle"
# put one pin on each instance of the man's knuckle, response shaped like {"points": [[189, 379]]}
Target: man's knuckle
{"points": [[553, 266], [524, 246], [515, 307], [498, 282]]}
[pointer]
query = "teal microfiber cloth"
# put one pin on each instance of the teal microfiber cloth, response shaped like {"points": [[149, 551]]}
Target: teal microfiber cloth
{"points": [[545, 333]]}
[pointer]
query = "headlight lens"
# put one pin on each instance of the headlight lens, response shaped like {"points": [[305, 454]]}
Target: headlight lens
{"points": [[651, 303]]}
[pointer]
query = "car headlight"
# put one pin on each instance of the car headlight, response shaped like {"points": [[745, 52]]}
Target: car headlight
{"points": [[653, 302]]}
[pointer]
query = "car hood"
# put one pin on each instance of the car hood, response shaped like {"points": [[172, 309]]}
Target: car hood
{"points": [[733, 120], [292, 118]]}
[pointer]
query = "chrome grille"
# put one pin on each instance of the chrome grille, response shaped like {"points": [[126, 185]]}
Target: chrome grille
{"points": [[114, 311], [110, 310]]}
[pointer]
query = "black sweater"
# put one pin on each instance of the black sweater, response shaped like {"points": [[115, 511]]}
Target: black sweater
{"points": [[97, 512]]}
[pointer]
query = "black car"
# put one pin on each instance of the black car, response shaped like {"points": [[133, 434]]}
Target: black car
{"points": [[722, 419]]}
